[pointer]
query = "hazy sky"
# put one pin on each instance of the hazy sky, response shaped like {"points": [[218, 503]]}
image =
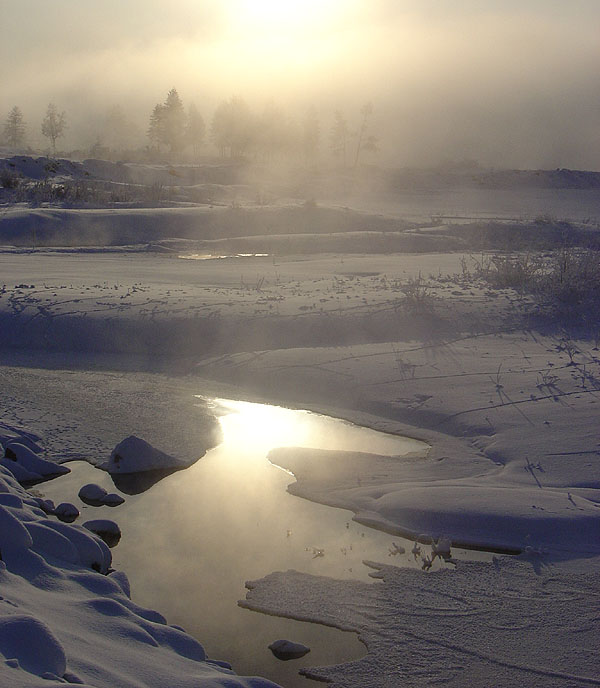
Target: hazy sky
{"points": [[500, 81]]}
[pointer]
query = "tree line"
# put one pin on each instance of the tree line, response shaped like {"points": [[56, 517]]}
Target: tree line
{"points": [[235, 130]]}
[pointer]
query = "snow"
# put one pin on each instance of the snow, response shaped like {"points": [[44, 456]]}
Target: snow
{"points": [[483, 624], [26, 466], [504, 395]]}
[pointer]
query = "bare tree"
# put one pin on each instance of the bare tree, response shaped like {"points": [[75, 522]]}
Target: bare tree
{"points": [[54, 125], [14, 128]]}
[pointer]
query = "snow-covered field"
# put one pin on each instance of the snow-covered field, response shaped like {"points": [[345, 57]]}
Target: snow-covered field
{"points": [[103, 342]]}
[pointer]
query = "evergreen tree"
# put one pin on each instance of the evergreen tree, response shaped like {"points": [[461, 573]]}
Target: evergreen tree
{"points": [[156, 130], [194, 128], [174, 121], [14, 128], [167, 123], [54, 125]]}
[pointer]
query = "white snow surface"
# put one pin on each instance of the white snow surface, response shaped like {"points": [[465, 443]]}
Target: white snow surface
{"points": [[61, 620], [497, 624], [510, 413]]}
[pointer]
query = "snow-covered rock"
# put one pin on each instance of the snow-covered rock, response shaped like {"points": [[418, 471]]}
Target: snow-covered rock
{"points": [[106, 529], [286, 649], [67, 512], [46, 505], [112, 499], [92, 494], [135, 455]]}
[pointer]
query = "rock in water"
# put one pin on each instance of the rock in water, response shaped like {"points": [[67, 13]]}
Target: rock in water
{"points": [[286, 649], [66, 512], [109, 531], [134, 455], [112, 499], [92, 494]]}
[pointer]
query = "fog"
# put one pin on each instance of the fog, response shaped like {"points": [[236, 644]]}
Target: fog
{"points": [[505, 83]]}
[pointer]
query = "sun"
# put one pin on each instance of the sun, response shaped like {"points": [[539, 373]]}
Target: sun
{"points": [[294, 16]]}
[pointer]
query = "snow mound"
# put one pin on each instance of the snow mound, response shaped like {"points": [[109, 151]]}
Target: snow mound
{"points": [[32, 644], [27, 466], [135, 455]]}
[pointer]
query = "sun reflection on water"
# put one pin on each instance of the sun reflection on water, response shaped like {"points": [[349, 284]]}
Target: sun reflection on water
{"points": [[258, 428]]}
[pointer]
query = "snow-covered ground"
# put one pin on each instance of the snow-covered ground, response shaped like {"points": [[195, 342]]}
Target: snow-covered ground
{"points": [[408, 343]]}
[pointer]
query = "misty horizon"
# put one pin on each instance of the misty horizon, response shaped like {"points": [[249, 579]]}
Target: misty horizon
{"points": [[505, 85]]}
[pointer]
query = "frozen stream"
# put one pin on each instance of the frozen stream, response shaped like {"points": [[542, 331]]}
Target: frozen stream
{"points": [[192, 540]]}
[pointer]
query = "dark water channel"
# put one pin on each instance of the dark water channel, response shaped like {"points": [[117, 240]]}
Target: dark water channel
{"points": [[192, 540]]}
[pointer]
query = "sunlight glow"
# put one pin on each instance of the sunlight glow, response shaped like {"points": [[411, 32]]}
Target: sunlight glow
{"points": [[258, 428], [284, 15]]}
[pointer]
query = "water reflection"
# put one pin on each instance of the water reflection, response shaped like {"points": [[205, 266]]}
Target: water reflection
{"points": [[191, 541]]}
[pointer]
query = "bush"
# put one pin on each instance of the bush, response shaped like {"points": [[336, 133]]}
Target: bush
{"points": [[9, 179]]}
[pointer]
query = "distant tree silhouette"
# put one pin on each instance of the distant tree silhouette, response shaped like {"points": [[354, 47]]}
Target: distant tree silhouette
{"points": [[167, 123], [310, 134], [365, 141], [14, 128], [54, 125], [175, 121], [274, 133], [156, 129], [195, 128], [119, 131], [232, 127], [339, 136]]}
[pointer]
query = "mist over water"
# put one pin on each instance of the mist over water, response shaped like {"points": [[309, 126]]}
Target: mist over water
{"points": [[510, 84]]}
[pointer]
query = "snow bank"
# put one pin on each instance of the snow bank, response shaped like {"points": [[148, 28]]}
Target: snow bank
{"points": [[489, 511], [27, 467], [63, 619]]}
